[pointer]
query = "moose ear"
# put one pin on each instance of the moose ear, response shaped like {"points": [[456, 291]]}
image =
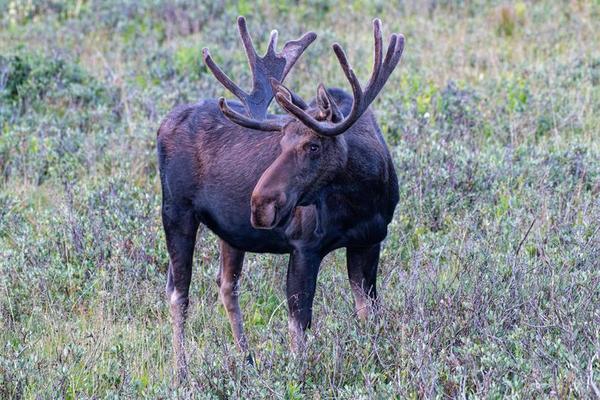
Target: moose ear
{"points": [[328, 110]]}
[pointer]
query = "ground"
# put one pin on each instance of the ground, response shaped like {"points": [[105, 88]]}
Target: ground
{"points": [[489, 277]]}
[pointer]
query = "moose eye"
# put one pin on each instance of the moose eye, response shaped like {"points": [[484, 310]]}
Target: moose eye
{"points": [[313, 147]]}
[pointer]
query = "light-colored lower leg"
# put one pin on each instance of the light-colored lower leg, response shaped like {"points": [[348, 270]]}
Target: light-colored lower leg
{"points": [[297, 336], [362, 305], [178, 307], [229, 297]]}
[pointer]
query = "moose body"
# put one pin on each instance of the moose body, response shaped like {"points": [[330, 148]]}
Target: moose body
{"points": [[274, 186], [210, 166]]}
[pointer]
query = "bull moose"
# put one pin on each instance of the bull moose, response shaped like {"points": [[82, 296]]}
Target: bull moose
{"points": [[305, 183]]}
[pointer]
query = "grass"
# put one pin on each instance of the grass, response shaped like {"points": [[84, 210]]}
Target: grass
{"points": [[489, 277]]}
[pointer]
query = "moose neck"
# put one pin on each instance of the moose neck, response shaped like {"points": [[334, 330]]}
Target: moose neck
{"points": [[347, 191]]}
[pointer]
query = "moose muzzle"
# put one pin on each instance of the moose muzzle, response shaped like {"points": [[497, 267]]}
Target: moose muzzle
{"points": [[267, 209]]}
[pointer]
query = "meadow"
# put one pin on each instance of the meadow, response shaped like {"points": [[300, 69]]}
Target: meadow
{"points": [[490, 274]]}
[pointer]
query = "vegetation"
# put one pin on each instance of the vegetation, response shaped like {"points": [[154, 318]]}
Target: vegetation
{"points": [[490, 277]]}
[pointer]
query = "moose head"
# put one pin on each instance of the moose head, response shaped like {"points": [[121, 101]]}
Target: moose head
{"points": [[313, 146]]}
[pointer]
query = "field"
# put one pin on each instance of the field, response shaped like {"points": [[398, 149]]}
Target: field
{"points": [[490, 275]]}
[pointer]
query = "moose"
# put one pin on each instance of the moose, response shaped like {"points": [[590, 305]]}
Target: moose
{"points": [[315, 179]]}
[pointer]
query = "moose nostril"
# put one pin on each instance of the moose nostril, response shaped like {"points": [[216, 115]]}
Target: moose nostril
{"points": [[264, 216], [258, 200], [282, 198]]}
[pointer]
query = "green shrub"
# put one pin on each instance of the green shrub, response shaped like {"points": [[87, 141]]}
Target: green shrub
{"points": [[31, 81]]}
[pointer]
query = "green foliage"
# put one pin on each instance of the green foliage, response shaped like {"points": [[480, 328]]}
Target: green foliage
{"points": [[48, 107], [489, 276], [32, 81]]}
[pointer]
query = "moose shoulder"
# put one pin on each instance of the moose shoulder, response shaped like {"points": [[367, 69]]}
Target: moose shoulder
{"points": [[304, 183]]}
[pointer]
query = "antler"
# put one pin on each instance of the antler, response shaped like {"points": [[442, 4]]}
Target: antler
{"points": [[382, 68], [272, 65]]}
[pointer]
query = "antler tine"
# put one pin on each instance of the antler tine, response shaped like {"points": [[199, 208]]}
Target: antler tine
{"points": [[272, 43], [222, 76], [234, 116], [349, 72], [293, 49], [398, 50], [377, 56], [391, 48], [382, 69], [248, 45], [392, 57]]}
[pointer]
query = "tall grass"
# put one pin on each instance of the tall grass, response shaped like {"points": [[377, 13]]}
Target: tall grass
{"points": [[489, 278]]}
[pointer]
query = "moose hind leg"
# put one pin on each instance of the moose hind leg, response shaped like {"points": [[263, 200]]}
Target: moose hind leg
{"points": [[180, 231], [362, 271], [230, 271], [302, 274]]}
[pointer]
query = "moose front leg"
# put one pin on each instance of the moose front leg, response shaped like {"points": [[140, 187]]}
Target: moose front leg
{"points": [[302, 274], [180, 231], [230, 271], [362, 271]]}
